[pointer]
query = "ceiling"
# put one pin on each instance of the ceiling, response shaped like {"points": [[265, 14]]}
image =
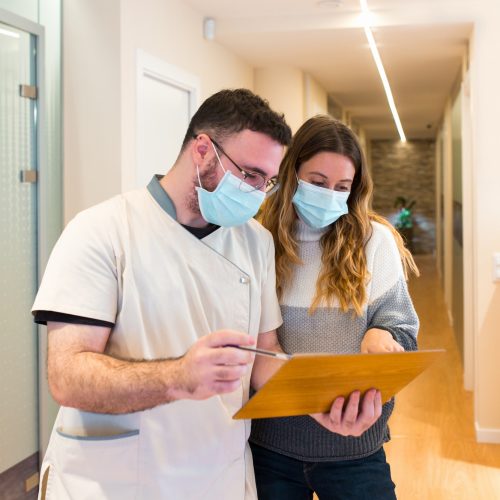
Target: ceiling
{"points": [[421, 43]]}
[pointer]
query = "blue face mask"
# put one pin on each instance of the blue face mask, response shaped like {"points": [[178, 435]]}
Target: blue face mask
{"points": [[318, 206], [229, 204]]}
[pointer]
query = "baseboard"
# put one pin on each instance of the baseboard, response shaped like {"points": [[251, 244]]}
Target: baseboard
{"points": [[484, 435], [21, 480]]}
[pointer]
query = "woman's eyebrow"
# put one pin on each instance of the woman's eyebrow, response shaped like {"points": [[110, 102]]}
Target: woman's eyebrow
{"points": [[320, 174]]}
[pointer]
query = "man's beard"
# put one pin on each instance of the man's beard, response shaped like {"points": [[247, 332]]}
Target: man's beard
{"points": [[208, 182]]}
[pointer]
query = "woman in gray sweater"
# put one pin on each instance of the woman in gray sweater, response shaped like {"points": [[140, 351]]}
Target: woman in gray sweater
{"points": [[341, 278]]}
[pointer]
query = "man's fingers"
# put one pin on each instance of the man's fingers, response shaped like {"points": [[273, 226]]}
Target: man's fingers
{"points": [[227, 373], [224, 338], [224, 387], [230, 356]]}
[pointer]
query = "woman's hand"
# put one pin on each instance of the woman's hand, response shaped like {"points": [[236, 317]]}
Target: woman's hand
{"points": [[379, 341], [352, 420]]}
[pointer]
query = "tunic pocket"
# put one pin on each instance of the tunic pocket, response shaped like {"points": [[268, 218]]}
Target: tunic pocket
{"points": [[94, 467]]}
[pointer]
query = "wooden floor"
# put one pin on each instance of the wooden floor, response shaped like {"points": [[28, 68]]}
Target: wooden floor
{"points": [[433, 452]]}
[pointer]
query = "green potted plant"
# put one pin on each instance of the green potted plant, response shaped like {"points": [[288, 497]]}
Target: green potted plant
{"points": [[404, 220]]}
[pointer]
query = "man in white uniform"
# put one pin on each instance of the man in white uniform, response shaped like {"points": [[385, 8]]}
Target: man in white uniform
{"points": [[143, 297]]}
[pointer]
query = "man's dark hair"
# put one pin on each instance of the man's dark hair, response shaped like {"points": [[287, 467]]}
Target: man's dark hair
{"points": [[231, 111]]}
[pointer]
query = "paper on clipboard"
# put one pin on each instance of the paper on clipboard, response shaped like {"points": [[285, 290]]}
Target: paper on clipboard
{"points": [[309, 383]]}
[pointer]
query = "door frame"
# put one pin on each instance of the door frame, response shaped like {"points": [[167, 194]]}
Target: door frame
{"points": [[153, 67], [469, 247], [43, 245]]}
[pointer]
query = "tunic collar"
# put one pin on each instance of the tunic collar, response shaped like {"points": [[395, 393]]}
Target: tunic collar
{"points": [[161, 197]]}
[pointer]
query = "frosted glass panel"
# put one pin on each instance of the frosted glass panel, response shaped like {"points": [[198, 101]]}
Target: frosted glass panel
{"points": [[18, 257]]}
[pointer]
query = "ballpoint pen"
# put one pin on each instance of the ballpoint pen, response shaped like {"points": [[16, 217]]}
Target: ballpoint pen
{"points": [[262, 352]]}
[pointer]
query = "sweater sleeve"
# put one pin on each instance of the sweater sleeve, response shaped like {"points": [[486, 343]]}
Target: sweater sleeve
{"points": [[390, 306]]}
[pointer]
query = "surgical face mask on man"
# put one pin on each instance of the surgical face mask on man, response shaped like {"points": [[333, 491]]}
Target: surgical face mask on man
{"points": [[317, 206], [229, 204]]}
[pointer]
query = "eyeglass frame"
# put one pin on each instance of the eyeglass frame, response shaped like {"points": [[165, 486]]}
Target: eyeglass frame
{"points": [[245, 174]]}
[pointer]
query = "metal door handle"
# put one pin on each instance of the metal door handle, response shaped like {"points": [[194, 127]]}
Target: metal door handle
{"points": [[30, 176]]}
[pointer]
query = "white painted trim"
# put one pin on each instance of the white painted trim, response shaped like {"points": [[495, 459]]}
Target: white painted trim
{"points": [[21, 23], [468, 239], [448, 210], [153, 67], [438, 195], [485, 435]]}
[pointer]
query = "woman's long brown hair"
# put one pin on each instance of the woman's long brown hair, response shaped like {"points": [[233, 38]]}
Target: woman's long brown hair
{"points": [[344, 273]]}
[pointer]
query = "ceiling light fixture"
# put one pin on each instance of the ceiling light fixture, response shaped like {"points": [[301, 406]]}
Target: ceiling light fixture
{"points": [[378, 61]]}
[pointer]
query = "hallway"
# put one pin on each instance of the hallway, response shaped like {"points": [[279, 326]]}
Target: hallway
{"points": [[433, 452]]}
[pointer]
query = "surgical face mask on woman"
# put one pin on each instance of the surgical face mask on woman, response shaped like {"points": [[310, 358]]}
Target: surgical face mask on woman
{"points": [[317, 206], [229, 204]]}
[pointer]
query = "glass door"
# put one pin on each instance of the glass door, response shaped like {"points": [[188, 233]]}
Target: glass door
{"points": [[18, 248]]}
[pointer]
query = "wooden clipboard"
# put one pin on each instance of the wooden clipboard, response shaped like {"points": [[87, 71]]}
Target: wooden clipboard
{"points": [[309, 383]]}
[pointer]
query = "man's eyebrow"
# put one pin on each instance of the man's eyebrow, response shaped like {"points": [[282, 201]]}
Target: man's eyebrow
{"points": [[257, 170]]}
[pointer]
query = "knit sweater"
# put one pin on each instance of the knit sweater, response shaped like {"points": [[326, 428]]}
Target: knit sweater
{"points": [[388, 307]]}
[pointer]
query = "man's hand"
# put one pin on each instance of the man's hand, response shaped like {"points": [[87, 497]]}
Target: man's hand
{"points": [[379, 341], [82, 376], [210, 367], [351, 421]]}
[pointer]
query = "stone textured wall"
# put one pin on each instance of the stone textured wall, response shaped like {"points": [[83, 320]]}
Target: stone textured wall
{"points": [[408, 170]]}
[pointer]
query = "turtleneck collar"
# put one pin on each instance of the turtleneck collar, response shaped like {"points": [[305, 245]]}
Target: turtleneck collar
{"points": [[307, 233]]}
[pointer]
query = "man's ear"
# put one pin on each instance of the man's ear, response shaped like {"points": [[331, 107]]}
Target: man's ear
{"points": [[201, 149]]}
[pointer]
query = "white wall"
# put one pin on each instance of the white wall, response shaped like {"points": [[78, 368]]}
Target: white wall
{"points": [[92, 99], [24, 8], [315, 98], [100, 46], [283, 87], [51, 197], [481, 215], [485, 82], [171, 31]]}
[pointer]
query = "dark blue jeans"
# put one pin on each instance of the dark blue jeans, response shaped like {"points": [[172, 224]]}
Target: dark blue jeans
{"points": [[283, 478]]}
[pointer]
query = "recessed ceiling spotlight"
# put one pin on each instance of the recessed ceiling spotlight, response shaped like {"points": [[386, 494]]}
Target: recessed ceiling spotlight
{"points": [[329, 3]]}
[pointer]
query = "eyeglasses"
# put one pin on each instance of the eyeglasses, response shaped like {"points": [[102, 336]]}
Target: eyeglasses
{"points": [[253, 180]]}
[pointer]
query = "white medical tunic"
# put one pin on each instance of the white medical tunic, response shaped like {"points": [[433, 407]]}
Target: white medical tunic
{"points": [[128, 262]]}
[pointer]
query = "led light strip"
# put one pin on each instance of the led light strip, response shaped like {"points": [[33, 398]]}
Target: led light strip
{"points": [[380, 67]]}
